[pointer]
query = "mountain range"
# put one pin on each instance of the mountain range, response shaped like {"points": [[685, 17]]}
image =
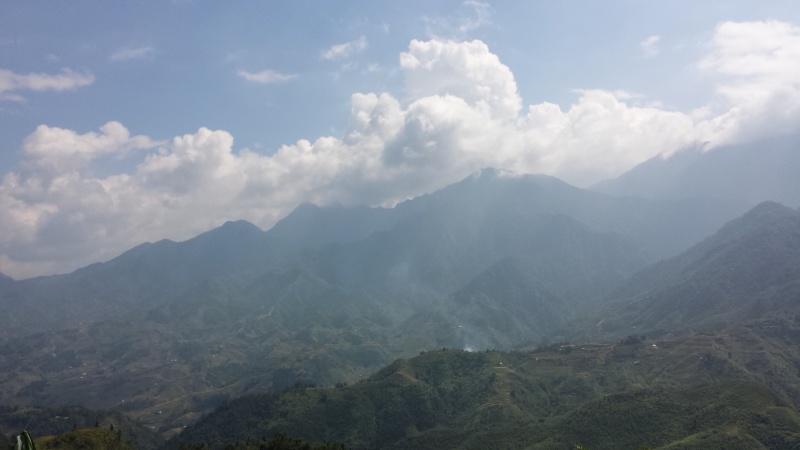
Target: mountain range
{"points": [[169, 330]]}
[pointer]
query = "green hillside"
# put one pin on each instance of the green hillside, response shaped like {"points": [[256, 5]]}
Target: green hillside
{"points": [[85, 425], [85, 439], [748, 270], [601, 396]]}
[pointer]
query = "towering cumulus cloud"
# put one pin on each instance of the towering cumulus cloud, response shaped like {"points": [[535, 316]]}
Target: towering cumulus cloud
{"points": [[460, 111]]}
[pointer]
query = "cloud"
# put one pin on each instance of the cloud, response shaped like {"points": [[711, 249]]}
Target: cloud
{"points": [[126, 54], [758, 64], [39, 82], [650, 47], [470, 16], [479, 16], [460, 111], [235, 56], [54, 208], [340, 52], [265, 76], [464, 69], [55, 150]]}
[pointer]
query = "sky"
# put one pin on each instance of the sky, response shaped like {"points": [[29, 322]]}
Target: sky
{"points": [[127, 122]]}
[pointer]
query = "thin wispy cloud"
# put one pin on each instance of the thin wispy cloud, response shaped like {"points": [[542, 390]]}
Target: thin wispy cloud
{"points": [[235, 56], [470, 16], [68, 79], [127, 54], [650, 46], [343, 51], [480, 16], [266, 76]]}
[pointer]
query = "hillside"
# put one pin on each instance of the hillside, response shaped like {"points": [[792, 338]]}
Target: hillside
{"points": [[84, 439], [686, 392], [749, 269], [76, 427]]}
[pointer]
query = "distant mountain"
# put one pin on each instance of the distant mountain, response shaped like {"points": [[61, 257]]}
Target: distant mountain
{"points": [[311, 226], [748, 270], [456, 233], [141, 278], [751, 173], [522, 299]]}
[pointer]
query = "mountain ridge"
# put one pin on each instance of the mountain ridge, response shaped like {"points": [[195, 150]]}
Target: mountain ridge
{"points": [[748, 269], [753, 172], [181, 327]]}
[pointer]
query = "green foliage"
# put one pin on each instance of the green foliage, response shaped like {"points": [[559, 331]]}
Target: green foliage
{"points": [[58, 421], [747, 270], [283, 442], [98, 438], [540, 400]]}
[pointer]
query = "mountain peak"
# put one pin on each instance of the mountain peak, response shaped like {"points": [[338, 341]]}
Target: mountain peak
{"points": [[746, 270], [490, 173], [239, 225], [770, 209], [230, 228], [765, 216]]}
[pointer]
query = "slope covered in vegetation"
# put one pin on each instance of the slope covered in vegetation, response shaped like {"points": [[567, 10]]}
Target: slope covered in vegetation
{"points": [[687, 392]]}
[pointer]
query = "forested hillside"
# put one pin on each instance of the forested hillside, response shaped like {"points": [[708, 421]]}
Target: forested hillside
{"points": [[690, 392]]}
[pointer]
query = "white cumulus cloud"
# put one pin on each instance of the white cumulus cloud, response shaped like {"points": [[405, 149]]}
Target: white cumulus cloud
{"points": [[460, 111], [467, 70], [759, 63]]}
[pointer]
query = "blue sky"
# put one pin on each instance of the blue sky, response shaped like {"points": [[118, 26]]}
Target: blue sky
{"points": [[124, 122]]}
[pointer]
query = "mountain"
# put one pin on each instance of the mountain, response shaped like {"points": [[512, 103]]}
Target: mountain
{"points": [[749, 269], [140, 278], [751, 173], [169, 330], [523, 299], [457, 232], [688, 392], [311, 226]]}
